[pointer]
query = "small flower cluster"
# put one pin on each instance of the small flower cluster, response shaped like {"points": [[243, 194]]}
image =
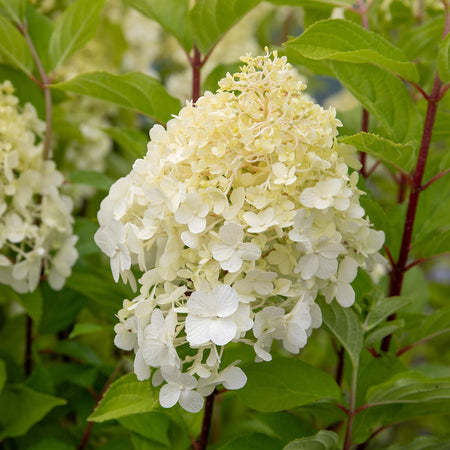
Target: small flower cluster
{"points": [[35, 219], [242, 212]]}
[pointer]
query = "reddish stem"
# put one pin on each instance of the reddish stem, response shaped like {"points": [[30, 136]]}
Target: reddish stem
{"points": [[421, 341], [364, 128], [435, 178], [196, 64], [206, 425], [396, 281], [28, 346], [372, 169]]}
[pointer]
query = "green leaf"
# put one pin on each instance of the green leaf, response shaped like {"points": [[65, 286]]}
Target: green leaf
{"points": [[134, 142], [377, 215], [400, 156], [14, 9], [135, 91], [383, 309], [84, 328], [151, 425], [342, 40], [286, 383], [14, 48], [410, 387], [433, 243], [40, 29], [172, 15], [382, 331], [2, 375], [211, 19], [32, 303], [344, 325], [126, 396], [441, 130], [423, 442], [323, 440], [91, 178], [420, 40], [444, 60], [21, 408], [75, 27], [252, 441], [385, 96], [85, 229]]}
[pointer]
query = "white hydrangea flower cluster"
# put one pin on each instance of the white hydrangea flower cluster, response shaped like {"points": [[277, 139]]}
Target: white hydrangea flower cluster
{"points": [[242, 212], [35, 219]]}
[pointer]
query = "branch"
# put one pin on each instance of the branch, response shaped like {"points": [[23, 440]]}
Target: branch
{"points": [[372, 169], [206, 425], [88, 429], [435, 178], [351, 411], [389, 255], [421, 341], [45, 86], [422, 260]]}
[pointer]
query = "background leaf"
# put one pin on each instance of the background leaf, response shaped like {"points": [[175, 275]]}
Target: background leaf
{"points": [[323, 440], [342, 40], [14, 48], [286, 383], [14, 9], [135, 91], [76, 26], [21, 408], [91, 178], [124, 397], [173, 15], [401, 156], [382, 309], [212, 18], [383, 95]]}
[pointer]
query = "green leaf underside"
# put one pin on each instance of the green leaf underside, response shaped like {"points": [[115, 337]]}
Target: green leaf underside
{"points": [[382, 331], [135, 91], [286, 383], [410, 387], [76, 26], [342, 40], [14, 48], [124, 397], [400, 156], [21, 408], [150, 425], [212, 18], [381, 310], [172, 15], [344, 325], [385, 96], [81, 329], [323, 440], [91, 178]]}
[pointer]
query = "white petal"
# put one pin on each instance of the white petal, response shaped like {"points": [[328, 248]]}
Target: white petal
{"points": [[125, 340], [249, 252], [231, 233], [308, 266], [222, 331], [348, 269], [141, 369], [115, 262], [104, 240], [226, 300], [327, 267], [197, 330], [201, 304], [169, 395], [345, 295], [234, 378], [191, 401], [197, 225], [222, 252], [309, 197], [233, 264]]}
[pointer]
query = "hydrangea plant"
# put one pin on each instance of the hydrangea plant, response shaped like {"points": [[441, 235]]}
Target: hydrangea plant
{"points": [[242, 213]]}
